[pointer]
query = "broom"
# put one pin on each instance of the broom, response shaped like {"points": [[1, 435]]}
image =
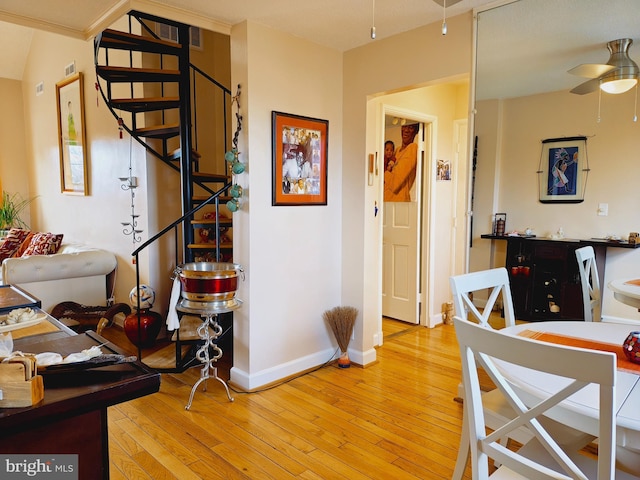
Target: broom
{"points": [[341, 321]]}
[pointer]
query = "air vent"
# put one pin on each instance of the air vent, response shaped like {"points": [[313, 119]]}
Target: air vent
{"points": [[70, 69], [39, 89], [167, 32]]}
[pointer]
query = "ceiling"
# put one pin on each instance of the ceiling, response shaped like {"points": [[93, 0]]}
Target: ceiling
{"points": [[339, 24], [567, 33]]}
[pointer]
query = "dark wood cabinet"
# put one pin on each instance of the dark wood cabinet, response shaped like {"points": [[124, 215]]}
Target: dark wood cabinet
{"points": [[544, 276]]}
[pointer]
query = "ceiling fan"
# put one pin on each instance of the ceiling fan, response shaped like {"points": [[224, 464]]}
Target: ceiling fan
{"points": [[618, 75]]}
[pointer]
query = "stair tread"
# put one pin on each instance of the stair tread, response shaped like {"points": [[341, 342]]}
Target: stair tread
{"points": [[130, 41], [210, 221], [210, 246], [177, 154], [157, 131], [145, 104], [133, 74], [218, 177], [202, 198]]}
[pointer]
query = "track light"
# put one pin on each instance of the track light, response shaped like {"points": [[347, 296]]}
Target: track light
{"points": [[373, 19]]}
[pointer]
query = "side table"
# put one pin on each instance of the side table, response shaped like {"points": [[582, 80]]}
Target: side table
{"points": [[208, 331]]}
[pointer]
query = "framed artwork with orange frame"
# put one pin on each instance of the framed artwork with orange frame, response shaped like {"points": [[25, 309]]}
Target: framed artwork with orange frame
{"points": [[299, 160]]}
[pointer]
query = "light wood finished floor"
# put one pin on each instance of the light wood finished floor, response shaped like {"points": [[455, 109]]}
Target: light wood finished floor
{"points": [[394, 420]]}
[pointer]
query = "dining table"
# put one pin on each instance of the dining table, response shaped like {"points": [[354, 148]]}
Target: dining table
{"points": [[627, 291], [580, 411]]}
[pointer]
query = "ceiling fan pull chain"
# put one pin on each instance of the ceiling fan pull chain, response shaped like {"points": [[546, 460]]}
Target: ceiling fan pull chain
{"points": [[599, 103]]}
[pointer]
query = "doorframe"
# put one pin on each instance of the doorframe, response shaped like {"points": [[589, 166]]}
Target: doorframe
{"points": [[427, 233]]}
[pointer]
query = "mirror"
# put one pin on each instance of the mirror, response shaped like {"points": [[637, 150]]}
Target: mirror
{"points": [[524, 50]]}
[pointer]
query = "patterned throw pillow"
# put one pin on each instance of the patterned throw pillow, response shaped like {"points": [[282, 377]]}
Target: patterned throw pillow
{"points": [[43, 244], [18, 253], [12, 242]]}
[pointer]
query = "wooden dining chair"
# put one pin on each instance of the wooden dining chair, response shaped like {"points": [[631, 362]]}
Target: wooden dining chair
{"points": [[497, 410], [591, 295], [542, 457]]}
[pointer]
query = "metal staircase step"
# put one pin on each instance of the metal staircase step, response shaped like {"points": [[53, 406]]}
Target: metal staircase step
{"points": [[209, 177], [210, 246], [128, 74], [176, 155], [208, 222], [145, 104], [198, 199], [159, 131], [130, 41]]}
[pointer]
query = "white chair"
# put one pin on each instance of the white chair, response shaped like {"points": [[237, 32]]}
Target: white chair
{"points": [[542, 457], [497, 281], [497, 410], [591, 296]]}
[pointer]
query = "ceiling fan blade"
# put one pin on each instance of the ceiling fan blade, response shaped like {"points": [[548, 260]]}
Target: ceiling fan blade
{"points": [[587, 87], [591, 70]]}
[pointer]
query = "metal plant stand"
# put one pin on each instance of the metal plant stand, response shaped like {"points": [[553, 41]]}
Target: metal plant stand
{"points": [[209, 331]]}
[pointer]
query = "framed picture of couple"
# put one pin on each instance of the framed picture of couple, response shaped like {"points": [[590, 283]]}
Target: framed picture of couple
{"points": [[299, 160]]}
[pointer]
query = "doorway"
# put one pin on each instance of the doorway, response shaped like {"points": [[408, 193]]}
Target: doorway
{"points": [[403, 185]]}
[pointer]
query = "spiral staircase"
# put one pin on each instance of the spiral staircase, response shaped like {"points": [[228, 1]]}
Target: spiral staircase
{"points": [[150, 87], [153, 92]]}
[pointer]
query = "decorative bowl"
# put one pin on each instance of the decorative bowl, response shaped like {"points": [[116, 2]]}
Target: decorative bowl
{"points": [[631, 347]]}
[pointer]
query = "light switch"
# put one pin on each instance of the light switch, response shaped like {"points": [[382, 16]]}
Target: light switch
{"points": [[603, 209]]}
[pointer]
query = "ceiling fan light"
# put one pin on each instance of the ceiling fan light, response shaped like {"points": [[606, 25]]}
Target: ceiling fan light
{"points": [[618, 86]]}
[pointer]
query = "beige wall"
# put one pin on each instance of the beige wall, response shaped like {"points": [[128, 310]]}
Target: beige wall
{"points": [[93, 219], [13, 154], [292, 254], [414, 59], [516, 128]]}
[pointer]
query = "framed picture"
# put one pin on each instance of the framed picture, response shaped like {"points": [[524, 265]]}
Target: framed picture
{"points": [[444, 170], [299, 149], [71, 135], [562, 175]]}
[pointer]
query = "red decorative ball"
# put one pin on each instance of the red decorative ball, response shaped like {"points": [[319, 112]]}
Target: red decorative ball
{"points": [[150, 325], [631, 347]]}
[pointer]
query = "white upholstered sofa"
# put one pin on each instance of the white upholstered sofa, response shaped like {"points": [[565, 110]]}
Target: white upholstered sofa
{"points": [[76, 273]]}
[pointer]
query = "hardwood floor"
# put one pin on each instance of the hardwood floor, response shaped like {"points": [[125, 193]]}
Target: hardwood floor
{"points": [[396, 419]]}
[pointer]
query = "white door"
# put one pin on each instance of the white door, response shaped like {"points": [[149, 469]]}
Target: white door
{"points": [[400, 252]]}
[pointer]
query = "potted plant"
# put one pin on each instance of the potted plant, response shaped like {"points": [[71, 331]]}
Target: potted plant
{"points": [[10, 210]]}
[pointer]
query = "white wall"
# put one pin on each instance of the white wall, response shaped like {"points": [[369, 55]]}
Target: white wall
{"points": [[292, 254]]}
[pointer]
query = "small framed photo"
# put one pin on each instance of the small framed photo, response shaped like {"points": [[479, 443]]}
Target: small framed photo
{"points": [[444, 170], [563, 170], [71, 135], [299, 151]]}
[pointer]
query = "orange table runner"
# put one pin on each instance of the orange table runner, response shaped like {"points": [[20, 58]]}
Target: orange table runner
{"points": [[623, 363]]}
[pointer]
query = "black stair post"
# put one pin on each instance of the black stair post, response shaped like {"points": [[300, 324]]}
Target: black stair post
{"points": [[185, 138]]}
